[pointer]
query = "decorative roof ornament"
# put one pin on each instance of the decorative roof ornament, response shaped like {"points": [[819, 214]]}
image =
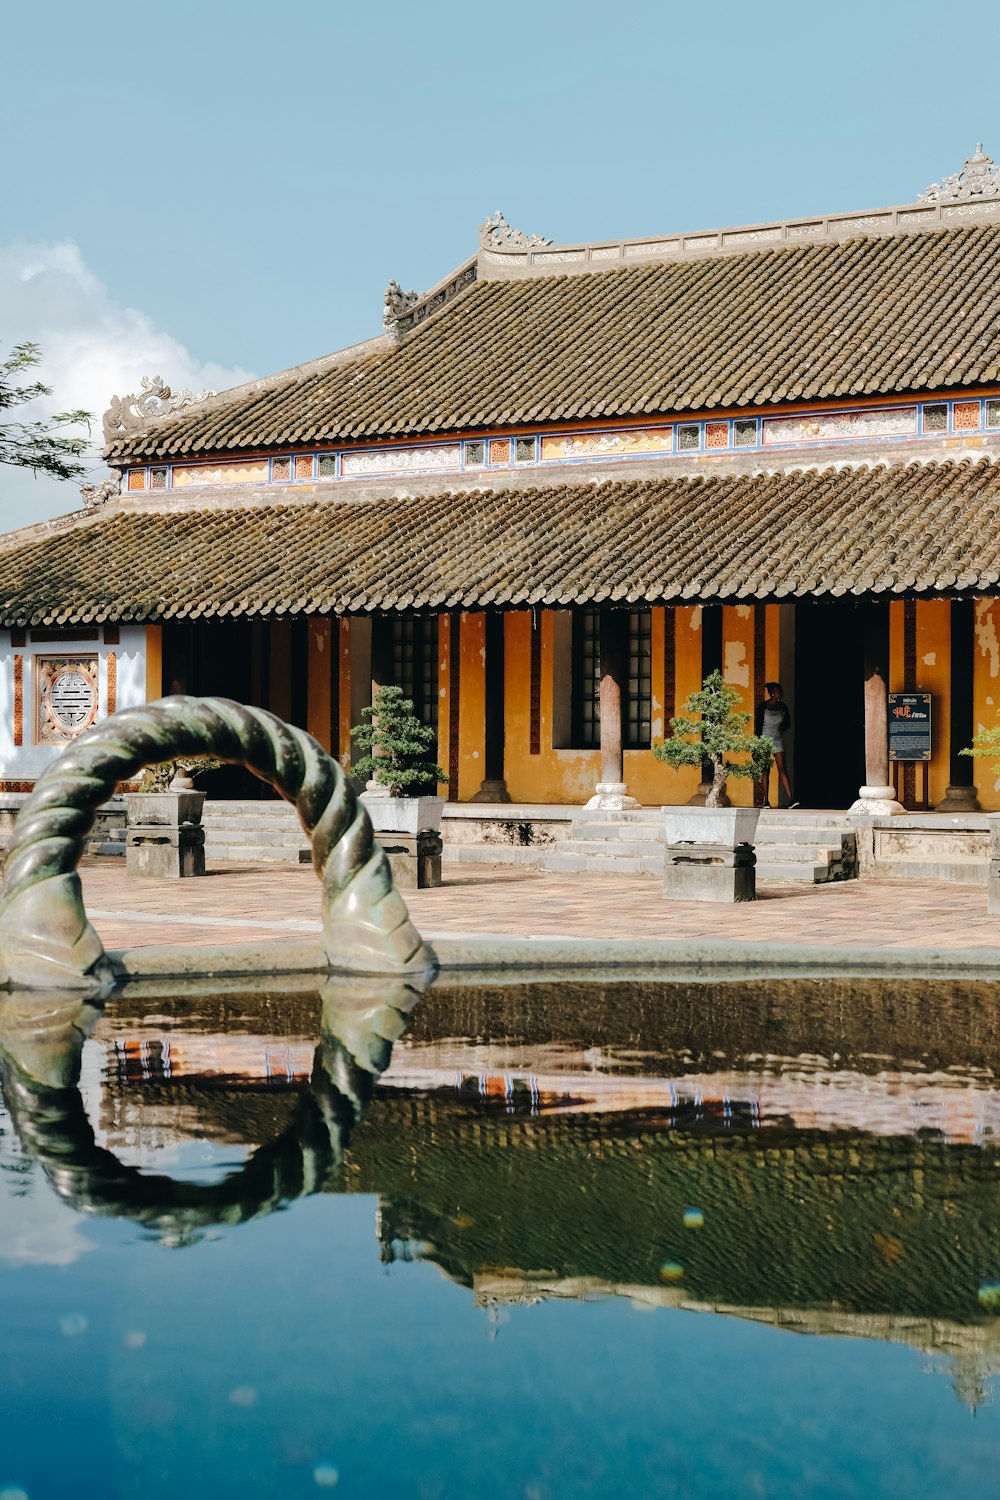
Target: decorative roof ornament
{"points": [[979, 178], [397, 304], [99, 494], [155, 399], [496, 234]]}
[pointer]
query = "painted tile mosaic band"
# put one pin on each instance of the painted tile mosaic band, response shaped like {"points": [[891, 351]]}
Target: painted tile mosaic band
{"points": [[938, 418]]}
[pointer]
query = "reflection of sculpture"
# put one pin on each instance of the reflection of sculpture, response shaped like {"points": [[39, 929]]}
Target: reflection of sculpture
{"points": [[41, 1043], [154, 399], [45, 938]]}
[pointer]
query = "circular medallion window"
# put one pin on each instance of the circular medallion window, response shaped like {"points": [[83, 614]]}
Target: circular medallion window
{"points": [[67, 697]]}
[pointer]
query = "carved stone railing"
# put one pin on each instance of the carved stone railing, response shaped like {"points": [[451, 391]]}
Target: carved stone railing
{"points": [[45, 937]]}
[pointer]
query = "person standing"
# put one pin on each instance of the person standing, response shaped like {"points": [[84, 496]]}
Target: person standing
{"points": [[772, 720]]}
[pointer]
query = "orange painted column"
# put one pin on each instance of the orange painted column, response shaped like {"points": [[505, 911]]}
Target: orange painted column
{"points": [[320, 664], [154, 662]]}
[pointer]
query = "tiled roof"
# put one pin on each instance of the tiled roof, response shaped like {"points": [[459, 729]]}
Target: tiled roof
{"points": [[906, 312], [889, 529]]}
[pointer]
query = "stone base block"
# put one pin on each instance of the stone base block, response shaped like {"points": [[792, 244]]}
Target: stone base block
{"points": [[993, 888], [958, 799], [414, 859], [710, 872], [160, 853]]}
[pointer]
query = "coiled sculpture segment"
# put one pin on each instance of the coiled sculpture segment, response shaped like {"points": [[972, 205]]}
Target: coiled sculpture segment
{"points": [[45, 937]]}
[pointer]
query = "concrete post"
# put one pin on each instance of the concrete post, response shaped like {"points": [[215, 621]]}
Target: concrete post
{"points": [[612, 793], [877, 797]]}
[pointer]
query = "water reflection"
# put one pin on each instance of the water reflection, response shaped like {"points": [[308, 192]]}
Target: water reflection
{"points": [[818, 1155], [42, 1043]]}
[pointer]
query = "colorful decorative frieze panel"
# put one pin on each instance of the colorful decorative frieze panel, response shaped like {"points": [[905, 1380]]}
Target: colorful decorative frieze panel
{"points": [[823, 427], [401, 460], [239, 471], [608, 444], [66, 695], [711, 435]]}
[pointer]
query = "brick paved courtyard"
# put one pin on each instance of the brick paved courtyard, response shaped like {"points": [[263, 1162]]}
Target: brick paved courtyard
{"points": [[254, 903]]}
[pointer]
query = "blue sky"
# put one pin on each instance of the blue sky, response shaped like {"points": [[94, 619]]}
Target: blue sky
{"points": [[226, 188]]}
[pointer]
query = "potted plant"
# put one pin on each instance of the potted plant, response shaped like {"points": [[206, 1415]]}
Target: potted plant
{"points": [[719, 737], [166, 793], [400, 795]]}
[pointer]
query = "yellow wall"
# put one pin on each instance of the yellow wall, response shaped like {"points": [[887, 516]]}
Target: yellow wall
{"points": [[933, 676], [154, 662], [472, 706], [986, 694]]}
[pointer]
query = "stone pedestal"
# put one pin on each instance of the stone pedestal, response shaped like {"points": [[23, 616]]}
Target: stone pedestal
{"points": [[491, 790], [993, 888], [710, 872], [958, 799], [414, 859], [877, 802], [159, 852], [611, 796]]}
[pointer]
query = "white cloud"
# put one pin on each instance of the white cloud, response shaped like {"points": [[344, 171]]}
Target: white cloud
{"points": [[92, 347]]}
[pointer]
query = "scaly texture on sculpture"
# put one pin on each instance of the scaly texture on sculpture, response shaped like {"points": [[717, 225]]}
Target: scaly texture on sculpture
{"points": [[396, 303], [155, 399], [979, 178], [45, 937], [99, 494], [496, 234]]}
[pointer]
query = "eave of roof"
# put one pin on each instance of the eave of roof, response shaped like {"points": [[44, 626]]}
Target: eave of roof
{"points": [[887, 529]]}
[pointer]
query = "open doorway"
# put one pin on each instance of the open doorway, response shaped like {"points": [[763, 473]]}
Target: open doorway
{"points": [[829, 703]]}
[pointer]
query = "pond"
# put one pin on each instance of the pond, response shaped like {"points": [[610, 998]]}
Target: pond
{"points": [[528, 1240]]}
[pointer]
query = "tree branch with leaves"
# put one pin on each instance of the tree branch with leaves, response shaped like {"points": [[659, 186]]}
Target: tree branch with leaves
{"points": [[717, 735], [37, 445]]}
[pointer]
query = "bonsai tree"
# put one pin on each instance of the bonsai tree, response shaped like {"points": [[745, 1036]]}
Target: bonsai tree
{"points": [[157, 777], [396, 744], [718, 734]]}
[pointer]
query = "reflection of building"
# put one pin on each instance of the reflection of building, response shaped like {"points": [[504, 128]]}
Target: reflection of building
{"points": [[769, 449]]}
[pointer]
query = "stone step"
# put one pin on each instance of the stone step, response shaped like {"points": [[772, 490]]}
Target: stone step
{"points": [[238, 834], [286, 854], [802, 874], [772, 833], [612, 832], [798, 854], [611, 849]]}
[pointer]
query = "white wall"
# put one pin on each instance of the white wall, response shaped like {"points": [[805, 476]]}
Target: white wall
{"points": [[25, 762]]}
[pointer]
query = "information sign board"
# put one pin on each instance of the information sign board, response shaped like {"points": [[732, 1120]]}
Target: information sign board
{"points": [[909, 726]]}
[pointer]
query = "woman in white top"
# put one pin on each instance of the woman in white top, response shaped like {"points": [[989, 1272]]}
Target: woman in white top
{"points": [[773, 722]]}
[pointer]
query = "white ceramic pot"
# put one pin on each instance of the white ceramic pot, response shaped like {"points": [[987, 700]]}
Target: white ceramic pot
{"points": [[163, 809], [728, 826], [403, 814]]}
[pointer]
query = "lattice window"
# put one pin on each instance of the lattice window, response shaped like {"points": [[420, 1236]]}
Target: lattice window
{"points": [[304, 466], [688, 437], [637, 689], [524, 450], [281, 469], [158, 479], [716, 434], [639, 700], [66, 697], [328, 466], [745, 432], [415, 665], [137, 479], [586, 678], [966, 416], [499, 450], [993, 413], [935, 417], [475, 454]]}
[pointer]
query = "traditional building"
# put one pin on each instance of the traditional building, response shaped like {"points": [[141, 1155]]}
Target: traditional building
{"points": [[559, 488]]}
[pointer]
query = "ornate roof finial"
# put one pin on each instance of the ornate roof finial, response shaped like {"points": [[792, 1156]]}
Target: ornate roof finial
{"points": [[99, 494], [979, 178], [496, 234], [155, 399], [396, 303]]}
